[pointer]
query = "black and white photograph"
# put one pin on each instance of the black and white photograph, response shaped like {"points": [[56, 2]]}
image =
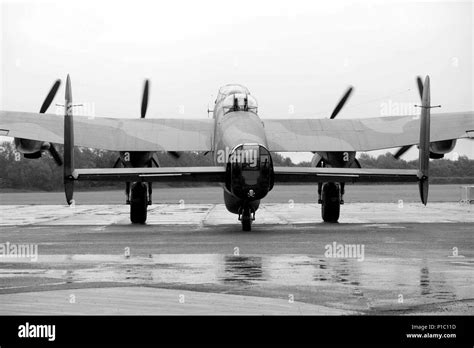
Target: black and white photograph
{"points": [[211, 164]]}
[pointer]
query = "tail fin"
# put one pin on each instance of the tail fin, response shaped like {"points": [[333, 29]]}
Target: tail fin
{"points": [[424, 145], [68, 145]]}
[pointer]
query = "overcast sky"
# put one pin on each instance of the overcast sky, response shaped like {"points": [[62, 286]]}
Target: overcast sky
{"points": [[293, 55]]}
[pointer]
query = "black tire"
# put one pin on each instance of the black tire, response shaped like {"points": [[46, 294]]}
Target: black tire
{"points": [[138, 203], [331, 202], [246, 224]]}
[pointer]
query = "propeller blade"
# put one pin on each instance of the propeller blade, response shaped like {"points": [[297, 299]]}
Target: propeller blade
{"points": [[174, 154], [49, 98], [145, 98], [342, 102], [154, 160], [401, 151], [117, 162], [419, 82], [55, 154]]}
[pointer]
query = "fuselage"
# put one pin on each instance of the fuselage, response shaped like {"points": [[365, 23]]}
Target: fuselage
{"points": [[240, 145]]}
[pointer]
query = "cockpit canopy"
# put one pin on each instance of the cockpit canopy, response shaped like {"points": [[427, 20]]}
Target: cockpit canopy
{"points": [[226, 90], [239, 102], [236, 98]]}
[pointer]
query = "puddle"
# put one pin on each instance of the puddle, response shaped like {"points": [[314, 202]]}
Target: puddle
{"points": [[440, 279]]}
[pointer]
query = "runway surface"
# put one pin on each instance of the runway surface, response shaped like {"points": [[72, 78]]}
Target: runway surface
{"points": [[194, 259], [213, 195]]}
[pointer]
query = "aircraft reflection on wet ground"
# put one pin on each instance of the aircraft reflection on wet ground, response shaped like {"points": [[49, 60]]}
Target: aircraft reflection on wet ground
{"points": [[378, 282]]}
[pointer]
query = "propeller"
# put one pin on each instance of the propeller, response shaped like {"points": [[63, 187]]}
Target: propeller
{"points": [[342, 102], [146, 91], [144, 107], [339, 107], [49, 98], [47, 102], [403, 149], [54, 153], [145, 98], [419, 82]]}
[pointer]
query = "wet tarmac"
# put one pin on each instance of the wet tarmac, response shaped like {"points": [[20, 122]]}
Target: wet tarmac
{"points": [[198, 254], [216, 214]]}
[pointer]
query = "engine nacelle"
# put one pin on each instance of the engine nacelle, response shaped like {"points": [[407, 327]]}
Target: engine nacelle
{"points": [[136, 159], [342, 159], [439, 148], [31, 148]]}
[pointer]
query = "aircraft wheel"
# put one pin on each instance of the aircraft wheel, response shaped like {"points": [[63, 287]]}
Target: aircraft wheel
{"points": [[246, 224], [138, 203], [331, 202], [246, 220]]}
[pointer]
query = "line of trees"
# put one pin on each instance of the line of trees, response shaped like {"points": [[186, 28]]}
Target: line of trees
{"points": [[17, 172]]}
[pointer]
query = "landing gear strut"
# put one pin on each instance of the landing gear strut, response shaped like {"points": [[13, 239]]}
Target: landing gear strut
{"points": [[127, 192], [150, 191], [330, 201], [138, 203], [246, 216]]}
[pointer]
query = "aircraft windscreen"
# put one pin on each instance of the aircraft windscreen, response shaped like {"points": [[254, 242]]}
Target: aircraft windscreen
{"points": [[239, 102]]}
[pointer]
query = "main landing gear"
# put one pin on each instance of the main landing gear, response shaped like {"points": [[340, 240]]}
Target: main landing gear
{"points": [[246, 216], [330, 197], [139, 199]]}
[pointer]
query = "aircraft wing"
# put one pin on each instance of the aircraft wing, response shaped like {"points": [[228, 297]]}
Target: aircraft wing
{"points": [[116, 134], [312, 175], [162, 174], [293, 135]]}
